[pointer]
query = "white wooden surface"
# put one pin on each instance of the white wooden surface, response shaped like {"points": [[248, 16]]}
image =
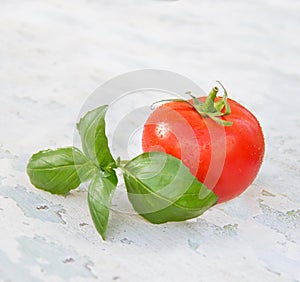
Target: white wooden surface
{"points": [[53, 54]]}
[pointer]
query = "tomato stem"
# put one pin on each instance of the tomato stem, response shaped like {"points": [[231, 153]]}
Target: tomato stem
{"points": [[209, 104], [210, 108]]}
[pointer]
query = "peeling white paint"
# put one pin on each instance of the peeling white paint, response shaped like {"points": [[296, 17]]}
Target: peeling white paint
{"points": [[41, 259], [33, 205]]}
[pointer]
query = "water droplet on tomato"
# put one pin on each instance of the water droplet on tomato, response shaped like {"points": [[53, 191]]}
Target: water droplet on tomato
{"points": [[162, 130]]}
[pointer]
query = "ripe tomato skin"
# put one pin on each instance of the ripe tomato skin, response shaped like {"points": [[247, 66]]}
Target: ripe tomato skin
{"points": [[224, 158]]}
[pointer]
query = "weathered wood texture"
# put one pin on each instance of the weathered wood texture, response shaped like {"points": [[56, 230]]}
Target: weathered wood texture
{"points": [[53, 54]]}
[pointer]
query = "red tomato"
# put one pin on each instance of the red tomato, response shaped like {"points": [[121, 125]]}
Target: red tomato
{"points": [[225, 158]]}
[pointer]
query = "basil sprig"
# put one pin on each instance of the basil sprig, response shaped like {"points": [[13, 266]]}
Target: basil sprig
{"points": [[100, 194], [61, 170], [161, 189], [91, 129], [159, 186]]}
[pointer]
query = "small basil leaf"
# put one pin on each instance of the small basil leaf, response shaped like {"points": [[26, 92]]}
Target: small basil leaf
{"points": [[59, 171], [94, 141], [161, 189], [100, 193]]}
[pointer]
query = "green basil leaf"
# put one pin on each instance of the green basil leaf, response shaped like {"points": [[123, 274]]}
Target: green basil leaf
{"points": [[100, 193], [59, 171], [94, 141], [161, 189]]}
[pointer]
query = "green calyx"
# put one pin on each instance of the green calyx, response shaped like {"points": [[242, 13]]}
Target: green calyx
{"points": [[210, 108]]}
